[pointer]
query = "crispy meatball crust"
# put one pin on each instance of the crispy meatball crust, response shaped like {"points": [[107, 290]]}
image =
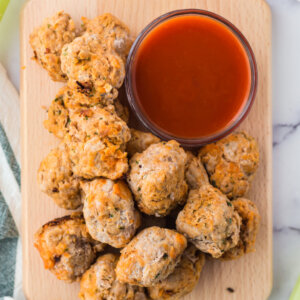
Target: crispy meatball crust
{"points": [[140, 141], [56, 179], [68, 100], [104, 124], [114, 34], [156, 178], [66, 247], [96, 143], [184, 278], [231, 163], [58, 115], [195, 173], [100, 283], [249, 214], [151, 256], [90, 67], [209, 221], [109, 211], [48, 40]]}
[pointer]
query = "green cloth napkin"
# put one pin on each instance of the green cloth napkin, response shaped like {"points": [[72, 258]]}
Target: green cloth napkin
{"points": [[8, 247], [10, 197]]}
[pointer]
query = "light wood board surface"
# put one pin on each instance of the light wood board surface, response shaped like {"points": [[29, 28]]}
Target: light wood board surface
{"points": [[250, 276]]}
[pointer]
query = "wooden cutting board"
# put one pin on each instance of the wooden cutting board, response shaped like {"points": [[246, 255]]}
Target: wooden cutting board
{"points": [[251, 276]]}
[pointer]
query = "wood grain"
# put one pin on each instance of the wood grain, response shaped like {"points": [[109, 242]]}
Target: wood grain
{"points": [[250, 276]]}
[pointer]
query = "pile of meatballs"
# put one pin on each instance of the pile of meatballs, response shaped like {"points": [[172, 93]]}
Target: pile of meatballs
{"points": [[164, 208]]}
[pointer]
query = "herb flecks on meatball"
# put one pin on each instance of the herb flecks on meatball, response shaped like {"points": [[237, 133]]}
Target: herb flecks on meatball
{"points": [[249, 214], [56, 178], [140, 141], [109, 211], [96, 141], [114, 34], [90, 67], [209, 221], [66, 247], [231, 163], [48, 40], [100, 282], [151, 256], [183, 279], [156, 178]]}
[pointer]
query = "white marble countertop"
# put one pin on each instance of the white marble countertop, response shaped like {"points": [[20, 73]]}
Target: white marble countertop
{"points": [[286, 125]]}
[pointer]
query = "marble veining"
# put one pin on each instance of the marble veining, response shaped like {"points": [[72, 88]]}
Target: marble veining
{"points": [[286, 146], [281, 229], [282, 131]]}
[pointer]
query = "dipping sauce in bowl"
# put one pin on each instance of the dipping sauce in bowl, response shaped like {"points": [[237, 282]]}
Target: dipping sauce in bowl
{"points": [[191, 76]]}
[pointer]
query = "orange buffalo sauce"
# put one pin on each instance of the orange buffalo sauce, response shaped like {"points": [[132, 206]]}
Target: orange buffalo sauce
{"points": [[191, 76]]}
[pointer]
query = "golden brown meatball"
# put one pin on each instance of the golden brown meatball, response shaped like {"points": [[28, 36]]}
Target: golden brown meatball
{"points": [[56, 179], [58, 116], [249, 214], [95, 158], [151, 256], [209, 221], [96, 143], [231, 163], [156, 178], [87, 123], [114, 34], [140, 141], [90, 67], [109, 211], [100, 283], [67, 100], [183, 279], [48, 40], [73, 99], [66, 247], [195, 173]]}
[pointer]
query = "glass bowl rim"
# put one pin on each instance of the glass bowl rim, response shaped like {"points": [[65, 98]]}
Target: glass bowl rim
{"points": [[191, 142]]}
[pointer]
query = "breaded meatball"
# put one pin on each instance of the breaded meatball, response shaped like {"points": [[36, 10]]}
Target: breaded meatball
{"points": [[95, 158], [67, 99], [87, 123], [100, 283], [195, 173], [231, 163], [109, 211], [209, 221], [249, 214], [58, 116], [114, 34], [183, 279], [96, 143], [157, 179], [90, 67], [151, 256], [140, 141], [56, 179], [73, 99], [66, 247], [48, 40]]}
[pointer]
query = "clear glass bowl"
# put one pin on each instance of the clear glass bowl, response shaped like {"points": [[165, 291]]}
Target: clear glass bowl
{"points": [[195, 142]]}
